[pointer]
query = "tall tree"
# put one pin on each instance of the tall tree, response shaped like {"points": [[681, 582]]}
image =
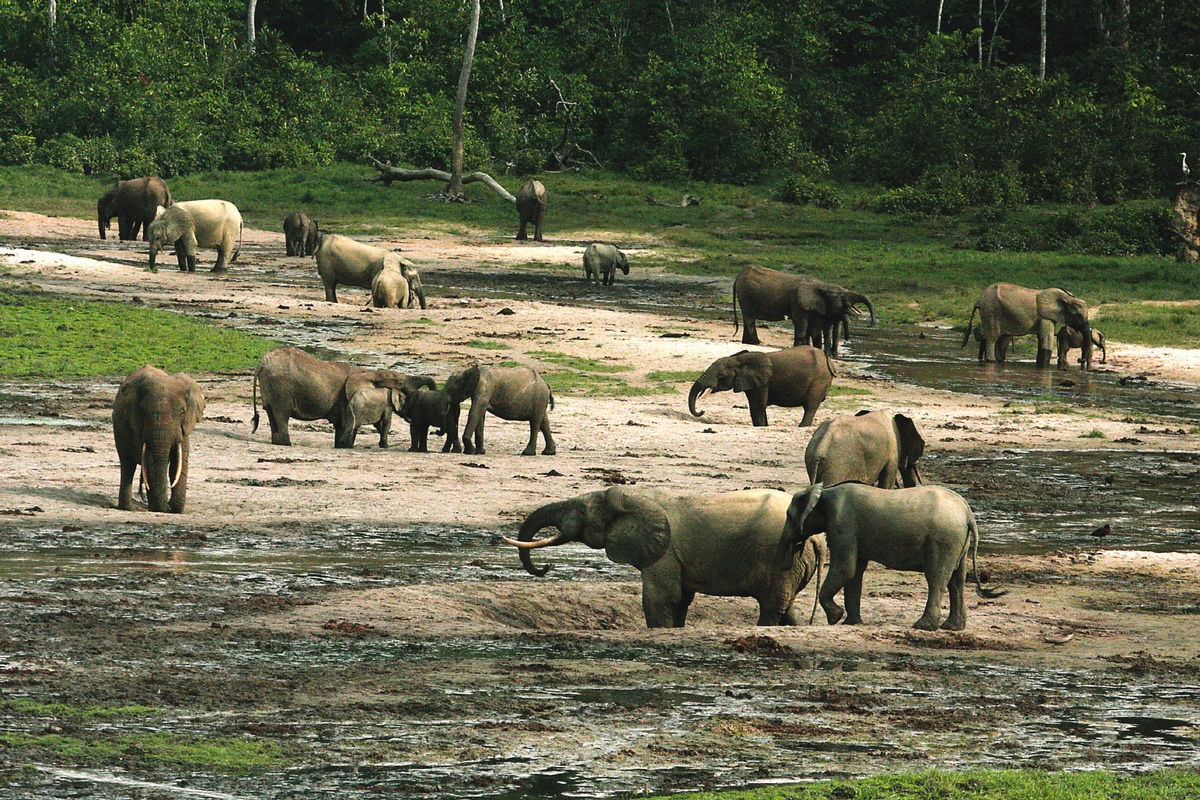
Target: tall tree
{"points": [[1042, 48], [460, 102], [251, 9]]}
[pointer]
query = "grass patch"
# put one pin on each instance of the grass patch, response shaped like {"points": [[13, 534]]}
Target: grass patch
{"points": [[669, 376], [26, 707], [837, 390], [42, 335], [591, 385], [1094, 433], [217, 753], [481, 344], [1153, 324], [975, 784], [577, 363]]}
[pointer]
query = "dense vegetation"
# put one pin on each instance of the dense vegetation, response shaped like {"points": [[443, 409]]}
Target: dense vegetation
{"points": [[788, 93]]}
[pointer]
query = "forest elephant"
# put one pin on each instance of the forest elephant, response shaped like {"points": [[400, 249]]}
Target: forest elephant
{"points": [[508, 392], [1005, 308], [295, 384], [722, 544], [390, 289], [1070, 339], [135, 204], [342, 260], [877, 448], [927, 529], [427, 408], [371, 405], [602, 261], [153, 418], [797, 376], [300, 234], [191, 224], [819, 310], [532, 200], [1003, 344]]}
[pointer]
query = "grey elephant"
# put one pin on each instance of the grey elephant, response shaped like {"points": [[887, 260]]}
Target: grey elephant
{"points": [[927, 529], [1003, 344], [1070, 339], [601, 262], [718, 544], [513, 393], [342, 260], [135, 204], [797, 376], [371, 405], [192, 224], [427, 408], [877, 448], [300, 234], [153, 418], [295, 384], [532, 200], [390, 289], [1006, 308], [819, 310]]}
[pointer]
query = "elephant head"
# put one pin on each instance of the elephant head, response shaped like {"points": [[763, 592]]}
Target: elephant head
{"points": [[410, 273], [631, 527], [622, 262], [164, 230], [461, 385], [1065, 308], [105, 211], [911, 448], [742, 372], [805, 518]]}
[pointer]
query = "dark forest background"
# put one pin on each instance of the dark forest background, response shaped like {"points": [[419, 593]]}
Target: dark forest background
{"points": [[797, 93]]}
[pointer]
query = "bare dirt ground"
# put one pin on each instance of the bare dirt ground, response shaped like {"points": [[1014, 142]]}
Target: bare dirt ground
{"points": [[287, 605]]}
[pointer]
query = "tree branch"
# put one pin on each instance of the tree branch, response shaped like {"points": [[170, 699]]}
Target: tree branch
{"points": [[388, 174]]}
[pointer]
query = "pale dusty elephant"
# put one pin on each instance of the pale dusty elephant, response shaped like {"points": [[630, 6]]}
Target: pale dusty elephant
{"points": [[797, 376], [718, 544], [191, 224], [371, 405], [532, 200], [877, 448], [819, 310], [508, 392], [300, 234], [135, 204], [295, 384], [601, 262], [389, 289], [153, 418], [927, 529], [1070, 339], [342, 260], [1005, 308]]}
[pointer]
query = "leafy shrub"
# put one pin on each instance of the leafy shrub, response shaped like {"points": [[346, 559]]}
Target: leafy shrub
{"points": [[17, 150], [803, 191]]}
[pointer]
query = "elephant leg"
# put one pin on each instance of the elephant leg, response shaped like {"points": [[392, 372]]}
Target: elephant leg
{"points": [[957, 620], [749, 329], [179, 490], [222, 264], [681, 608], [521, 235], [344, 435], [384, 427], [853, 595], [810, 412], [135, 225], [181, 257], [758, 407], [331, 292], [129, 465], [933, 603], [841, 572], [537, 228], [414, 435], [279, 427], [662, 596], [531, 446], [550, 448], [1045, 335]]}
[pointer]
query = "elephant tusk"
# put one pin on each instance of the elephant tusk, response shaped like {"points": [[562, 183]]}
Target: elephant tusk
{"points": [[178, 464], [142, 477], [533, 545], [705, 393]]}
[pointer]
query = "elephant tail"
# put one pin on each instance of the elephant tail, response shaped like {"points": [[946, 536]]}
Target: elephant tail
{"points": [[829, 365], [254, 402], [551, 397], [970, 324], [973, 533], [238, 251]]}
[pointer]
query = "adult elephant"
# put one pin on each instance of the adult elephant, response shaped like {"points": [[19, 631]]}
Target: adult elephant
{"points": [[797, 376], [532, 200], [601, 261], [817, 309], [718, 544], [1009, 309], [192, 224], [877, 448], [153, 418], [342, 260], [295, 384], [513, 393], [135, 204], [927, 529], [300, 234]]}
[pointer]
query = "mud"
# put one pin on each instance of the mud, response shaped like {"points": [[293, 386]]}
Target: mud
{"points": [[358, 609]]}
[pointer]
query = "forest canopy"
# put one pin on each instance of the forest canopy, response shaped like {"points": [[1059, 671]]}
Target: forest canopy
{"points": [[804, 91]]}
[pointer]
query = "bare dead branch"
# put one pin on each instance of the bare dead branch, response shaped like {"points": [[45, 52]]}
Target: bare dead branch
{"points": [[388, 174]]}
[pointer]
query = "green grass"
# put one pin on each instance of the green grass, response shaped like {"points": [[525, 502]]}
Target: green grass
{"points": [[570, 382], [915, 268], [482, 344], [577, 363], [217, 753], [42, 335], [837, 390], [1094, 433], [669, 376], [27, 707], [982, 785]]}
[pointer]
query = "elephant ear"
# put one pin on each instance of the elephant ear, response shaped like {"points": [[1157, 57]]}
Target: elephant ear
{"points": [[640, 530], [194, 412], [912, 444], [753, 372]]}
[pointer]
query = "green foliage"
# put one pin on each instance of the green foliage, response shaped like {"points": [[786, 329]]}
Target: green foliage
{"points": [[576, 362], [216, 753], [804, 191], [1121, 230], [45, 336]]}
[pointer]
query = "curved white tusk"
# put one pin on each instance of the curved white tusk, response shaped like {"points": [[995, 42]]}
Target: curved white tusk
{"points": [[703, 394], [142, 482], [533, 545], [178, 464]]}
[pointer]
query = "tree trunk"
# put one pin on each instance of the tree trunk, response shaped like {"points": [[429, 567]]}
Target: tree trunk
{"points": [[979, 37], [388, 174], [251, 8], [460, 102], [1186, 223], [941, 6], [1042, 50]]}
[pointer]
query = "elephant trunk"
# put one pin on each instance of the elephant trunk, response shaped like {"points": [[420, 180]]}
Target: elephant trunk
{"points": [[701, 389], [1086, 333], [862, 299], [550, 515], [156, 470], [419, 291], [153, 254], [103, 225]]}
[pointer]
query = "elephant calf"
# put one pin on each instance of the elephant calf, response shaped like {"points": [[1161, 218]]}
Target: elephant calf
{"points": [[300, 234], [153, 418], [532, 200], [509, 393], [877, 448], [797, 376], [1071, 339], [601, 262], [720, 544], [371, 405], [426, 408], [926, 529]]}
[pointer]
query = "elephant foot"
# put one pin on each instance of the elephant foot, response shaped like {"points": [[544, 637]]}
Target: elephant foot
{"points": [[218, 270], [926, 624], [550, 451], [954, 624], [529, 451], [853, 619], [834, 615], [125, 505]]}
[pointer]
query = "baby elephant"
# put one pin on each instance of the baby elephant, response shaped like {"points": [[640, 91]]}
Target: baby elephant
{"points": [[431, 407], [509, 393], [1071, 339], [925, 529], [602, 262], [389, 289], [371, 405]]}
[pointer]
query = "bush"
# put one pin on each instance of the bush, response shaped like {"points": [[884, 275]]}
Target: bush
{"points": [[17, 150], [803, 191]]}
